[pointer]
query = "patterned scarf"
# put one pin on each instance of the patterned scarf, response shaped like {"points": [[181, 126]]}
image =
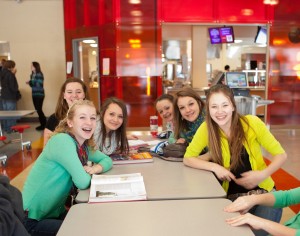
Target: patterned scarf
{"points": [[192, 127], [82, 151]]}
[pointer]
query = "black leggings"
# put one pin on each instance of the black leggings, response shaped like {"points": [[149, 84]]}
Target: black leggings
{"points": [[38, 106]]}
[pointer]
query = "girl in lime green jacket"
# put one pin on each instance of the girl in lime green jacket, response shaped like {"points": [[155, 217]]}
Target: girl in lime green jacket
{"points": [[235, 155]]}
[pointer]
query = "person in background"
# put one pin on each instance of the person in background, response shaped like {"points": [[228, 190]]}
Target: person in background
{"points": [[165, 108], [36, 83], [189, 114], [274, 199], [110, 135], [9, 92], [72, 90], [62, 164], [2, 63], [235, 156], [1, 66], [11, 210], [227, 68]]}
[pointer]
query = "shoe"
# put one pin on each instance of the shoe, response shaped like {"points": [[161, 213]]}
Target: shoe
{"points": [[40, 128]]}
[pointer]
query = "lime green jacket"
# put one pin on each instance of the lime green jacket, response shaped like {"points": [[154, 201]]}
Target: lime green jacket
{"points": [[257, 136]]}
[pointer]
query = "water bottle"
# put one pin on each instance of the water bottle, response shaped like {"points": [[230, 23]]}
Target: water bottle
{"points": [[154, 125]]}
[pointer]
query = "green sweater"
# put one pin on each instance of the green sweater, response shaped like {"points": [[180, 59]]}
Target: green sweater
{"points": [[51, 178], [288, 198]]}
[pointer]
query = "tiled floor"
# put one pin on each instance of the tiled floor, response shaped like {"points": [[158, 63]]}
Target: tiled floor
{"points": [[18, 161]]}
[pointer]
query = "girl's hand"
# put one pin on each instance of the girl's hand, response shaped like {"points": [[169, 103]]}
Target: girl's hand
{"points": [[241, 205], [180, 140], [223, 174], [253, 221], [95, 169], [250, 179]]}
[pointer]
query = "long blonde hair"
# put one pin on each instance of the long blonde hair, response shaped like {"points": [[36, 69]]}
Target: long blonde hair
{"points": [[237, 133], [63, 124]]}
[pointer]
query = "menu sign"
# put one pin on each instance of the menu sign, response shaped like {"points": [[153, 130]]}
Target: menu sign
{"points": [[221, 35]]}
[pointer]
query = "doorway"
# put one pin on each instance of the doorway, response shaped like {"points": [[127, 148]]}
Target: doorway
{"points": [[86, 66]]}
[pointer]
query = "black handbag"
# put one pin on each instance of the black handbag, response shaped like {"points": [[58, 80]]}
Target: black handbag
{"points": [[175, 150]]}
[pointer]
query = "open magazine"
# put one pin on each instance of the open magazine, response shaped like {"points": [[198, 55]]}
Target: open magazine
{"points": [[111, 188]]}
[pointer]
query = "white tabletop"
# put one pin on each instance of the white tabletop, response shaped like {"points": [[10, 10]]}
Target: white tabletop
{"points": [[15, 114], [192, 217], [169, 180]]}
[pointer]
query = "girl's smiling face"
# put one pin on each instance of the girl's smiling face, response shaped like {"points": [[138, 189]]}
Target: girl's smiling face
{"points": [[220, 110], [83, 124], [73, 92], [189, 108], [165, 109], [113, 117]]}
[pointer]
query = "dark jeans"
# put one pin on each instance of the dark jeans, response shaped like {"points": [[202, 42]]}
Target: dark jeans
{"points": [[269, 213], [46, 227], [38, 106], [8, 105]]}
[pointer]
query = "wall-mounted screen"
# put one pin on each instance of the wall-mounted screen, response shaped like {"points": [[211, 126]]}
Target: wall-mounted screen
{"points": [[221, 35], [236, 79], [261, 36]]}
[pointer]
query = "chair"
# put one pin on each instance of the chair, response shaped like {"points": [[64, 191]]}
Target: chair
{"points": [[20, 129], [3, 157]]}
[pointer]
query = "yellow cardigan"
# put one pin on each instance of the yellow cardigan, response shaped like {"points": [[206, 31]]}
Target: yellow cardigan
{"points": [[257, 136]]}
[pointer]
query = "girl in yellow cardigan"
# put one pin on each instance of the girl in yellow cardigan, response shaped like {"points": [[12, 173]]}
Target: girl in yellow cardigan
{"points": [[235, 155]]}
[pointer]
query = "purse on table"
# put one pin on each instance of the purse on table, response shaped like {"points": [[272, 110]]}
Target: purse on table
{"points": [[174, 151]]}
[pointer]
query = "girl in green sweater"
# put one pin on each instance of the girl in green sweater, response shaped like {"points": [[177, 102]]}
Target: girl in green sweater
{"points": [[277, 199], [61, 165]]}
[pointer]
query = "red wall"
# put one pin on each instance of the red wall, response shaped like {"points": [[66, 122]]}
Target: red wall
{"points": [[112, 22], [215, 11]]}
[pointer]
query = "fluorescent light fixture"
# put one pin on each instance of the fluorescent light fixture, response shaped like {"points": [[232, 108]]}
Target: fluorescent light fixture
{"points": [[94, 45], [89, 41], [238, 41], [134, 1], [136, 13]]}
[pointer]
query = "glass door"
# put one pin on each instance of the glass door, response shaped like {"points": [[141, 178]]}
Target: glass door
{"points": [[86, 65]]}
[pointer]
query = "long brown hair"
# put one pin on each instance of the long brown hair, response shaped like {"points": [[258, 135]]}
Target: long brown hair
{"points": [[180, 123], [237, 133], [62, 106], [121, 136], [63, 124]]}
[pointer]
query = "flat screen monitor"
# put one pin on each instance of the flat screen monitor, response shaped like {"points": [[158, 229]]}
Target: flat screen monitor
{"points": [[236, 79], [261, 36], [219, 35]]}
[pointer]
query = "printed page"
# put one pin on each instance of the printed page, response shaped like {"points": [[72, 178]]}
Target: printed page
{"points": [[127, 187]]}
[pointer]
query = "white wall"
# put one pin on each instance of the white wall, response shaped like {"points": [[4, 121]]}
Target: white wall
{"points": [[35, 32]]}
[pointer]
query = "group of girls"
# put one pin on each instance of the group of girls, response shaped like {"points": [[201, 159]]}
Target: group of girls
{"points": [[234, 143], [235, 157], [75, 136]]}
